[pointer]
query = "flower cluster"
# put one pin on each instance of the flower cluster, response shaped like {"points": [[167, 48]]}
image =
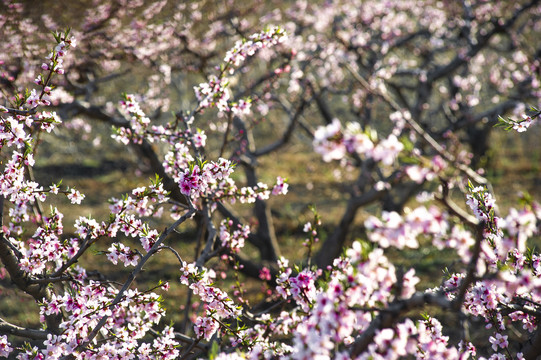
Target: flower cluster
{"points": [[139, 122], [459, 239], [280, 188], [13, 184], [395, 230], [131, 319], [333, 143], [54, 64], [120, 252], [75, 196], [419, 173], [55, 58], [139, 129], [521, 125], [48, 120], [524, 124], [5, 349], [241, 108], [213, 180], [145, 201], [486, 299], [247, 48], [214, 92], [335, 311], [12, 132], [425, 341], [200, 179], [233, 239], [301, 287], [218, 306], [53, 251], [483, 205]]}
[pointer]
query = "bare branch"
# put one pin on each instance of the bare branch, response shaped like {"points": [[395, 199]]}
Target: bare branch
{"points": [[207, 252], [480, 43], [286, 136], [532, 350], [10, 329], [454, 208]]}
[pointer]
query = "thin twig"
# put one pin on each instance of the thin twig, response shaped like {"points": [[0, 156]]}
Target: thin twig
{"points": [[50, 280], [173, 251]]}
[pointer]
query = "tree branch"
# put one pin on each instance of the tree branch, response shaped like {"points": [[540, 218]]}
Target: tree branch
{"points": [[135, 272], [420, 131], [11, 329]]}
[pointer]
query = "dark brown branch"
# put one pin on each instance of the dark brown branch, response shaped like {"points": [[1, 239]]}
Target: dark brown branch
{"points": [[480, 43], [50, 280], [332, 246], [177, 255], [144, 149], [11, 329], [286, 136], [365, 195], [207, 252], [226, 134], [532, 350], [472, 267], [464, 216], [18, 276], [22, 112], [323, 107], [265, 234], [530, 310]]}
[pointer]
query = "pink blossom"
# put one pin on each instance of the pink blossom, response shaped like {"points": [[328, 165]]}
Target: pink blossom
{"points": [[328, 141], [387, 150], [5, 349], [205, 327], [233, 239], [280, 188], [523, 125], [241, 108], [119, 251], [75, 196], [419, 174], [498, 341]]}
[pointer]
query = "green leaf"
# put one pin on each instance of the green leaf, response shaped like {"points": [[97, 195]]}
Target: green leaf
{"points": [[214, 349], [409, 160], [56, 36], [408, 145]]}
